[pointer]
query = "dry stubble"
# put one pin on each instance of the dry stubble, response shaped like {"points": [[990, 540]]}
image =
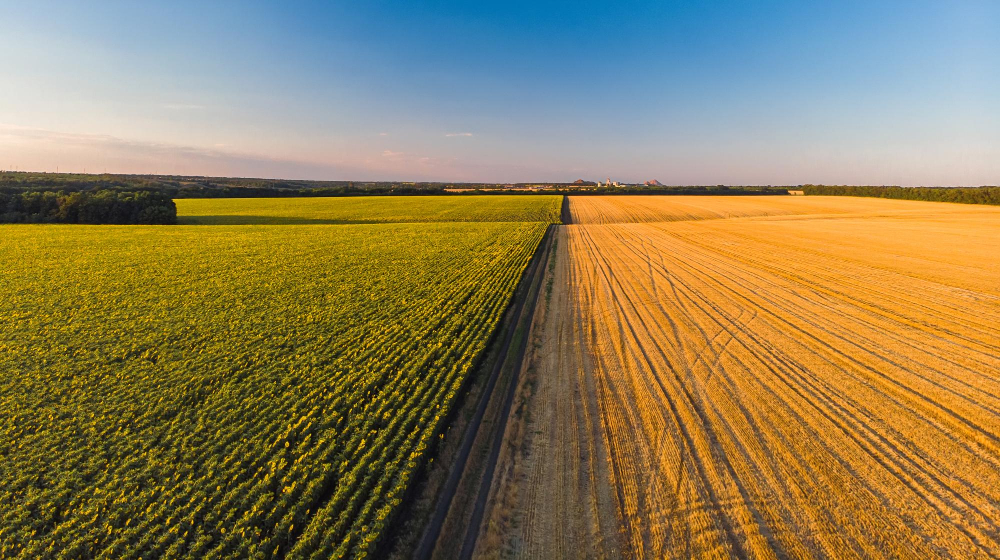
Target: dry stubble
{"points": [[816, 378]]}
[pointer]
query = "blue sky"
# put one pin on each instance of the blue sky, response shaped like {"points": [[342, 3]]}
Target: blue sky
{"points": [[686, 93]]}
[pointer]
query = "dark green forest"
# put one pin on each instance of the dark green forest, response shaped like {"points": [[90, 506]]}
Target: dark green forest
{"points": [[963, 195], [87, 207]]}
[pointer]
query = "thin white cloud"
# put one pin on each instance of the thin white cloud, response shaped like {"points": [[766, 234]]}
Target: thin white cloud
{"points": [[183, 106], [456, 134], [404, 159], [45, 150], [38, 149], [383, 133]]}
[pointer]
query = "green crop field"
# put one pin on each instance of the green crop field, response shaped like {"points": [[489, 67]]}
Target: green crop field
{"points": [[370, 209], [237, 391]]}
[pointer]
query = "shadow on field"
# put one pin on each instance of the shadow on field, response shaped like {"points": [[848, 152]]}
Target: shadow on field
{"points": [[260, 220]]}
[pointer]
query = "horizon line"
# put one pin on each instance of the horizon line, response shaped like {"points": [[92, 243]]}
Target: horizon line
{"points": [[691, 185]]}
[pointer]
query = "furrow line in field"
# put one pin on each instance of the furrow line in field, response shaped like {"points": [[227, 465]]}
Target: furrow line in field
{"points": [[674, 411], [958, 313]]}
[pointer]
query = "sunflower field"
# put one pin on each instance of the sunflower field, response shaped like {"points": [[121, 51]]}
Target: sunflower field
{"points": [[233, 391], [370, 209]]}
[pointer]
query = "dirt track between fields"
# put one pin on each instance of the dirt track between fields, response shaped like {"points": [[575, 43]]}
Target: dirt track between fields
{"points": [[719, 377], [452, 529]]}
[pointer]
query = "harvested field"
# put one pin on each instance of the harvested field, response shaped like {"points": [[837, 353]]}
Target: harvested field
{"points": [[647, 209], [818, 379]]}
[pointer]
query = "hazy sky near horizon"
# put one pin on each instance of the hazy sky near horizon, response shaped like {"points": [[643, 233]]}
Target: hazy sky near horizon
{"points": [[868, 92]]}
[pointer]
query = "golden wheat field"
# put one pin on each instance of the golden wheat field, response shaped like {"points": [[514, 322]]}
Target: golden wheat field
{"points": [[759, 378]]}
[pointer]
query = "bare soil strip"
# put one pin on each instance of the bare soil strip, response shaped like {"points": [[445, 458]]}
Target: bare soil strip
{"points": [[817, 378]]}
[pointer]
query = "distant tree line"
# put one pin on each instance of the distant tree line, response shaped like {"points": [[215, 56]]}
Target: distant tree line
{"points": [[208, 187], [717, 190], [87, 207], [177, 186], [970, 195]]}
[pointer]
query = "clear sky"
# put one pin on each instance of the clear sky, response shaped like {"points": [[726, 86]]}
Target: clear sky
{"points": [[870, 92]]}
